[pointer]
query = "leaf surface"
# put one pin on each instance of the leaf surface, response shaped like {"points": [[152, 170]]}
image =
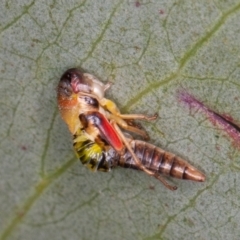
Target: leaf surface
{"points": [[149, 50]]}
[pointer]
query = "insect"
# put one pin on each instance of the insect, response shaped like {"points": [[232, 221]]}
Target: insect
{"points": [[101, 136]]}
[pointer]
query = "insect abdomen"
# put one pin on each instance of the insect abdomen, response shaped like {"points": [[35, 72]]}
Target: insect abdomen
{"points": [[91, 155], [94, 157], [157, 160]]}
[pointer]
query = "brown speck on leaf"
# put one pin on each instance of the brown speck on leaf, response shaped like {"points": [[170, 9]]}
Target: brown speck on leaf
{"points": [[218, 147], [137, 48], [161, 11], [152, 187], [23, 147], [160, 227], [137, 4], [20, 214]]}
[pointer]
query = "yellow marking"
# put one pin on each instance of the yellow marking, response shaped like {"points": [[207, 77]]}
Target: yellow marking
{"points": [[80, 138], [110, 106]]}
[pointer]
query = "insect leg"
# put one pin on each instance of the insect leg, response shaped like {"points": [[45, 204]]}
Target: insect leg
{"points": [[138, 162], [138, 116], [107, 86], [119, 118], [111, 107], [123, 124], [116, 116]]}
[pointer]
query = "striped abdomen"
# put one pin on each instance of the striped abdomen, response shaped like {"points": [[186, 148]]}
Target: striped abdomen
{"points": [[94, 157], [157, 160]]}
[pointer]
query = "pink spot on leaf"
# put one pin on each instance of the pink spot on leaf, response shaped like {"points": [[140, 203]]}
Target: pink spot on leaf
{"points": [[137, 4], [23, 147], [161, 12], [225, 122]]}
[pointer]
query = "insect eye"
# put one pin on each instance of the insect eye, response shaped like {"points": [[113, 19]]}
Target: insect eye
{"points": [[64, 89], [71, 75], [66, 77], [67, 91], [74, 77]]}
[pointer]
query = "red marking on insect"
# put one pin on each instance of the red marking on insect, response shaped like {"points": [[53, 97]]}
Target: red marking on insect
{"points": [[225, 122], [106, 130]]}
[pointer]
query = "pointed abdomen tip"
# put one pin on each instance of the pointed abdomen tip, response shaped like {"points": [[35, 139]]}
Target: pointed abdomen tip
{"points": [[194, 175]]}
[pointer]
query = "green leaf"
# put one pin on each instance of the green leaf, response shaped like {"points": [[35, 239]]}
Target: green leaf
{"points": [[150, 50]]}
